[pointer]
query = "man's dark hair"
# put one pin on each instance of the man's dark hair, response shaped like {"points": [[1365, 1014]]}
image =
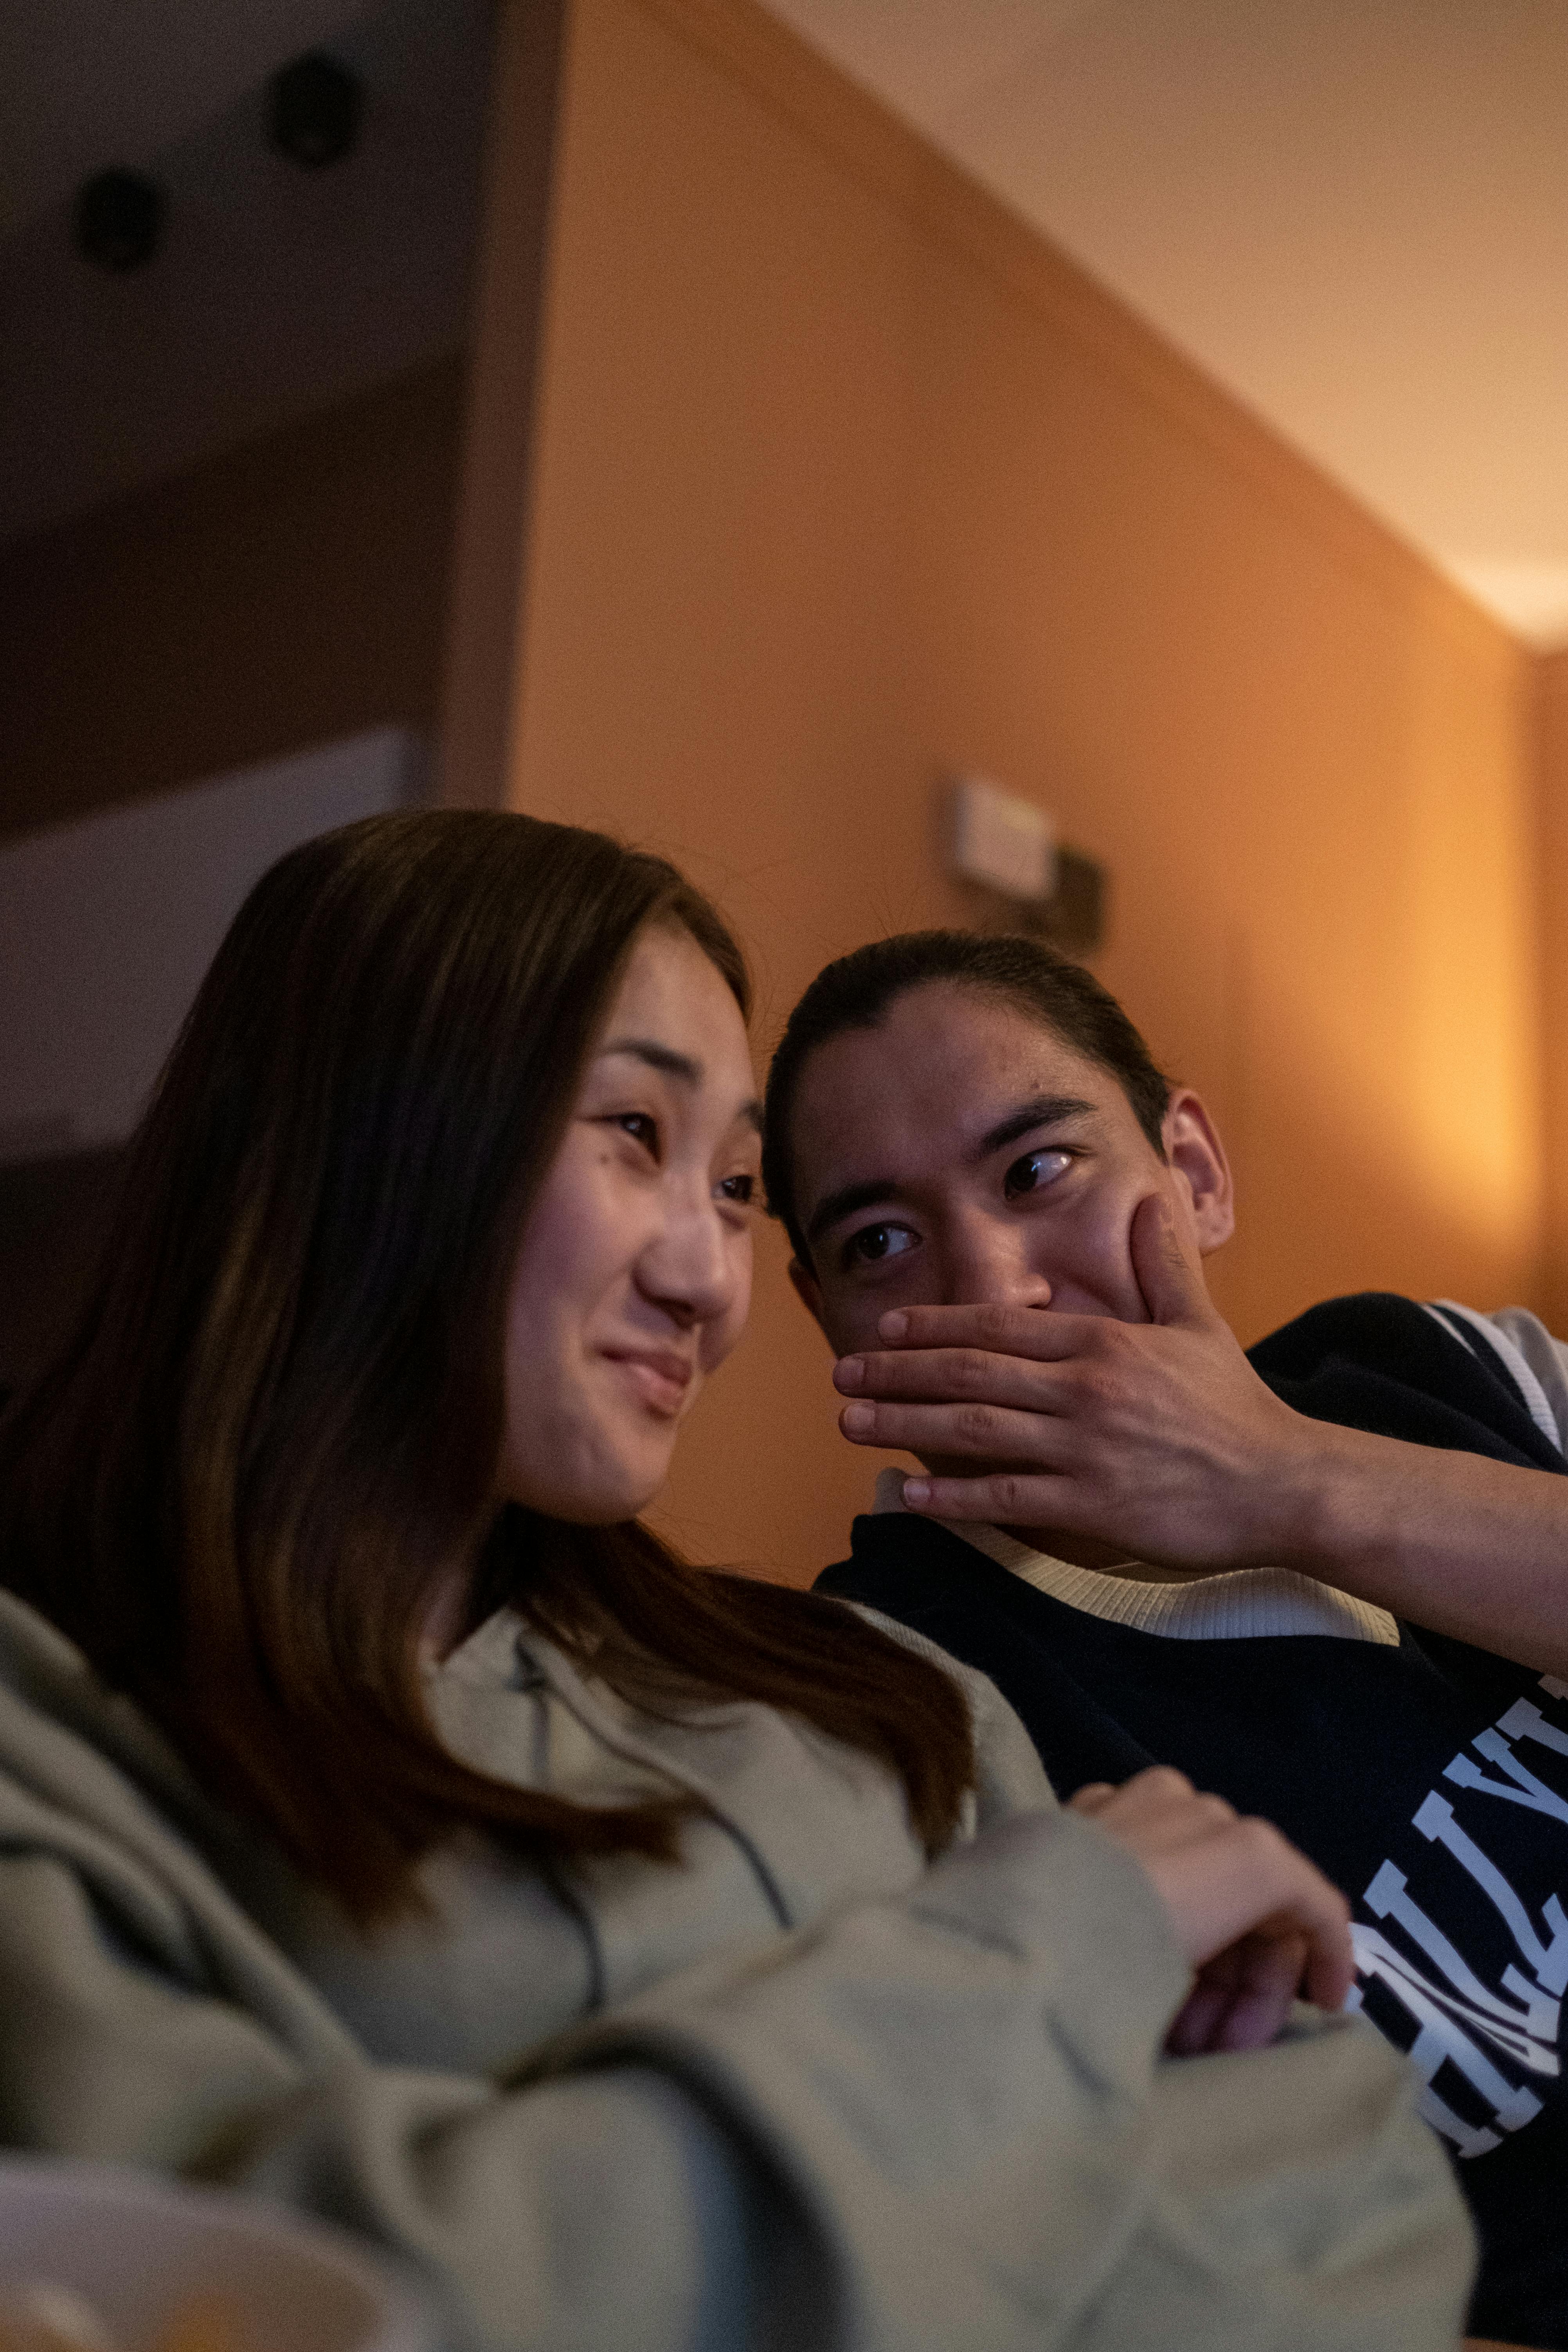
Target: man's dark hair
{"points": [[856, 992]]}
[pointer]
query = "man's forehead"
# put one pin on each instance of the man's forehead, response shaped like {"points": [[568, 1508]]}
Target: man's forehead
{"points": [[936, 1075]]}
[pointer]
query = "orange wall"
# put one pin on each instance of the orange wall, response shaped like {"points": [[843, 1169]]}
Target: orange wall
{"points": [[843, 479], [282, 593], [1553, 719]]}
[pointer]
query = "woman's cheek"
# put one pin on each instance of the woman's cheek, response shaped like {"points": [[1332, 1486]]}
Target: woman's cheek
{"points": [[724, 1331]]}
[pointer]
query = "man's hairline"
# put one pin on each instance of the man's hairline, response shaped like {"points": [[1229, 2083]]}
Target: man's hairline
{"points": [[999, 993]]}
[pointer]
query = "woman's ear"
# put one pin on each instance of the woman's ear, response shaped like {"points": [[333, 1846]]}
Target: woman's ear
{"points": [[1198, 1160]]}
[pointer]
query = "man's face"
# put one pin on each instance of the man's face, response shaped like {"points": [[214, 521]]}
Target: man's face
{"points": [[960, 1154]]}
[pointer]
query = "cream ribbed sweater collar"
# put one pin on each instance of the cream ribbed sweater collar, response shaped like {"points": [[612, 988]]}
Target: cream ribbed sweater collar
{"points": [[1239, 1604]]}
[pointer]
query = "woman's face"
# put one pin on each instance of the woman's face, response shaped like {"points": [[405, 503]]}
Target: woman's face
{"points": [[635, 1272]]}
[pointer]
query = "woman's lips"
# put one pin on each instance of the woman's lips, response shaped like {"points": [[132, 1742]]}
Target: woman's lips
{"points": [[657, 1376]]}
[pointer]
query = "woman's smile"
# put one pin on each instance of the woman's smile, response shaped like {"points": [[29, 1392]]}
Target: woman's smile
{"points": [[635, 1272], [657, 1376]]}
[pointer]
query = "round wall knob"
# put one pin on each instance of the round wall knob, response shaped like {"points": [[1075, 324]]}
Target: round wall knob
{"points": [[119, 219], [314, 113]]}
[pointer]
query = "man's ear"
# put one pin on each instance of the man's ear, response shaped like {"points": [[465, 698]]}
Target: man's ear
{"points": [[1198, 1160], [808, 1290]]}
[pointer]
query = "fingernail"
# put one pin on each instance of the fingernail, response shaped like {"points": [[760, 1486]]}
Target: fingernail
{"points": [[894, 1325], [916, 1492], [856, 1419], [849, 1373]]}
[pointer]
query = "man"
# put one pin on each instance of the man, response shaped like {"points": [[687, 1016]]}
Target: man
{"points": [[1331, 1584]]}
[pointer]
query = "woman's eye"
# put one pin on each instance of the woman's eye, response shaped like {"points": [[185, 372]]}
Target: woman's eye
{"points": [[642, 1127], [741, 1190], [1035, 1169], [873, 1243]]}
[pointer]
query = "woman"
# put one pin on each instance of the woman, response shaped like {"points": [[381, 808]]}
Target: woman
{"points": [[390, 1823]]}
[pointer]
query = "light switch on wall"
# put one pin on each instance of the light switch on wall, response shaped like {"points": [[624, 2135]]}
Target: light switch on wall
{"points": [[1005, 844], [1007, 850]]}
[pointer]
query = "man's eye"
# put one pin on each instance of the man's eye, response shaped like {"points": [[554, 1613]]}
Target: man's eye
{"points": [[872, 1243], [1035, 1169], [741, 1190]]}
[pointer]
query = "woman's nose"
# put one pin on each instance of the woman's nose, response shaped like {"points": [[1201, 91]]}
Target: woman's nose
{"points": [[688, 1267]]}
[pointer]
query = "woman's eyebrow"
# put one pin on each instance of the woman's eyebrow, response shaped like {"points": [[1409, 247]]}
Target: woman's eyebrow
{"points": [[1043, 1110], [658, 1057], [677, 1065]]}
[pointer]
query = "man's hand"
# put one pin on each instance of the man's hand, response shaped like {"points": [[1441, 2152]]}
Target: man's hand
{"points": [[1159, 1440], [1258, 1923], [1157, 1437]]}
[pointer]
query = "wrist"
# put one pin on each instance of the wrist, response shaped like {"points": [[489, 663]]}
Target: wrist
{"points": [[1314, 1512]]}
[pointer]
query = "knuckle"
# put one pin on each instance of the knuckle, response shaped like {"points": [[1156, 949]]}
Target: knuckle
{"points": [[1261, 1839], [995, 1322], [1165, 1780], [976, 1421]]}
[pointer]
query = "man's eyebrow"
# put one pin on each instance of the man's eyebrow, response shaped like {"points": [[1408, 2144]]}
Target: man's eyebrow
{"points": [[677, 1065], [1044, 1111], [873, 1192], [836, 1206]]}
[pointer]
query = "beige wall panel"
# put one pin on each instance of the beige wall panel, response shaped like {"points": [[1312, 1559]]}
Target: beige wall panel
{"points": [[843, 479], [479, 689]]}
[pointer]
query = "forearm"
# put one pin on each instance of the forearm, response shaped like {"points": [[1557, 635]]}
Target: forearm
{"points": [[1469, 1547], [893, 2128], [939, 2117], [1008, 2157]]}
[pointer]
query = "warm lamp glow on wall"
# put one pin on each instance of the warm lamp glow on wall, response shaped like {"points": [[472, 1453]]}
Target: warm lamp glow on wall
{"points": [[1005, 849]]}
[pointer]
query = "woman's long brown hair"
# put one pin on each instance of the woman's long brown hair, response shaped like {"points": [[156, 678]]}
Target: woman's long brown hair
{"points": [[242, 1485]]}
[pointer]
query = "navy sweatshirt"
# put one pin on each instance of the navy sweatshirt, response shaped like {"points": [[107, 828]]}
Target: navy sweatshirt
{"points": [[1429, 1781]]}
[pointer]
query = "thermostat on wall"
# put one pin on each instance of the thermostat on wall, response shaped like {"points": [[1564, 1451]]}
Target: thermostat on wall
{"points": [[1005, 844]]}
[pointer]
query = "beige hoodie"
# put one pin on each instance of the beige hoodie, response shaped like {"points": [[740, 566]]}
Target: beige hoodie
{"points": [[799, 2091]]}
